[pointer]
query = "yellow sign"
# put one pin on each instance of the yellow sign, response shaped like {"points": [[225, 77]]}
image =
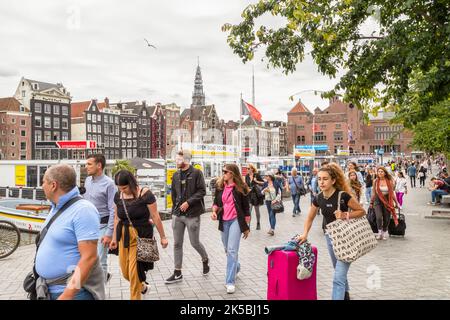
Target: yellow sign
{"points": [[171, 168], [21, 176], [198, 166]]}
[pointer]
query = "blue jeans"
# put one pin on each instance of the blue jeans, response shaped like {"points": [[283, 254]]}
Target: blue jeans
{"points": [[102, 252], [231, 238], [83, 294], [296, 200], [340, 282], [272, 217], [368, 194], [435, 193]]}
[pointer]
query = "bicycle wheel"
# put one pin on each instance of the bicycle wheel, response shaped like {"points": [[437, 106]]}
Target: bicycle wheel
{"points": [[9, 238]]}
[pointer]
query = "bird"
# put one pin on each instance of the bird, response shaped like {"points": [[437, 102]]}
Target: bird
{"points": [[150, 45]]}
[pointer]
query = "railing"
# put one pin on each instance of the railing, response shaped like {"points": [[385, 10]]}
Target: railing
{"points": [[22, 193]]}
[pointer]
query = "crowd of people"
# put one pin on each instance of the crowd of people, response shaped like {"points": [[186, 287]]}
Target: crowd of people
{"points": [[115, 214]]}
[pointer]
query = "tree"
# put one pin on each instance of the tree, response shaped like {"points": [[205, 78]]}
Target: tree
{"points": [[123, 165], [404, 66]]}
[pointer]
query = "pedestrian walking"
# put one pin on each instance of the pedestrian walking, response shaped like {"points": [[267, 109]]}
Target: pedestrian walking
{"points": [[231, 208], [100, 191], [188, 192], [370, 177], [331, 181], [296, 186], [256, 199], [412, 174], [422, 176], [134, 207], [400, 188], [355, 185], [272, 192], [313, 185], [352, 166], [383, 201], [67, 256]]}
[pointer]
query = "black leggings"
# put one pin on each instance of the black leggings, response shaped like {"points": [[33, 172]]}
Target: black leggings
{"points": [[422, 181]]}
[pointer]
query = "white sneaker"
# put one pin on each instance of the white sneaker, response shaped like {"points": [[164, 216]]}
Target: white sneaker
{"points": [[385, 235], [230, 288], [379, 235]]}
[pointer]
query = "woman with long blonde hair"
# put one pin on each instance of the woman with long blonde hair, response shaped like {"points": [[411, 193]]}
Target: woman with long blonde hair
{"points": [[331, 181], [355, 185], [231, 208]]}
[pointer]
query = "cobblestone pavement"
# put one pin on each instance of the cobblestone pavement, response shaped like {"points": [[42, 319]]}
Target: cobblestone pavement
{"points": [[414, 267]]}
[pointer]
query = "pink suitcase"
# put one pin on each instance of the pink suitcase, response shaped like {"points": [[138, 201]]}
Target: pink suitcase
{"points": [[282, 282]]}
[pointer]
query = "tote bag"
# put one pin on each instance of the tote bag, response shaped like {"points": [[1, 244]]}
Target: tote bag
{"points": [[351, 239]]}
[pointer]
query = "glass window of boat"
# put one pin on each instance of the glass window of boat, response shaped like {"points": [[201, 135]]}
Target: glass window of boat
{"points": [[32, 176]]}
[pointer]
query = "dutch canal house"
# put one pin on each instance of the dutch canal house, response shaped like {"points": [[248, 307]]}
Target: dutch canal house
{"points": [[49, 106]]}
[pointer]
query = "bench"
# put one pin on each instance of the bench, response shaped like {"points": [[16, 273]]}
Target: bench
{"points": [[445, 199]]}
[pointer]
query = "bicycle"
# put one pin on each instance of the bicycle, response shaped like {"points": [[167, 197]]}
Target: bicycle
{"points": [[9, 238]]}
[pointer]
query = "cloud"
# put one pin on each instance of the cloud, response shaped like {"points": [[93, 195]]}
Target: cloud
{"points": [[97, 49]]}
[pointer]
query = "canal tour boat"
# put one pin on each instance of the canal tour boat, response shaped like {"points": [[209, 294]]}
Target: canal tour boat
{"points": [[27, 215]]}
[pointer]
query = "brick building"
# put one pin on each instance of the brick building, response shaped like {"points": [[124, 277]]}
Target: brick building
{"points": [[15, 130]]}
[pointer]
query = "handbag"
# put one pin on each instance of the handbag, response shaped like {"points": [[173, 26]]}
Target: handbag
{"points": [[278, 206], [147, 249], [351, 239]]}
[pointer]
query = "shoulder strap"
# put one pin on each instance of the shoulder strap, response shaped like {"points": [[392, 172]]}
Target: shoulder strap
{"points": [[60, 211], [339, 200], [125, 209]]}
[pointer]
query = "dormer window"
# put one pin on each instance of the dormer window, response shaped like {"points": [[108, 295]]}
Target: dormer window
{"points": [[35, 86]]}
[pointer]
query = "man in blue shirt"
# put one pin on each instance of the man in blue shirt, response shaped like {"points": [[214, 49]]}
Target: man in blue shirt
{"points": [[294, 185], [412, 175], [100, 191], [70, 245]]}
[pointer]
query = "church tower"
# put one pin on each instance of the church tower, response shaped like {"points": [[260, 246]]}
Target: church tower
{"points": [[198, 96]]}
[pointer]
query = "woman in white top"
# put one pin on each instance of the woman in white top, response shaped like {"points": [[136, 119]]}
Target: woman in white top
{"points": [[383, 201], [400, 188]]}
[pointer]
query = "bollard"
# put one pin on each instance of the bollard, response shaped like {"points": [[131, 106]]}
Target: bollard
{"points": [[34, 193], [20, 192], [7, 193]]}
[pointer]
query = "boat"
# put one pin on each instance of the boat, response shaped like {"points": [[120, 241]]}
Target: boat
{"points": [[27, 215]]}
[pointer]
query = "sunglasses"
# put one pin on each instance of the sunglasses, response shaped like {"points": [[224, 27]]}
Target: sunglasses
{"points": [[225, 171]]}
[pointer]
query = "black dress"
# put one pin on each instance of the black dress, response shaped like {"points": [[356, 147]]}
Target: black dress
{"points": [[140, 217]]}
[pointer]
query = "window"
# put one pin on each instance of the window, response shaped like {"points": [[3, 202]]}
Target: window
{"points": [[47, 135], [13, 155], [47, 122], [323, 127], [134, 143], [65, 136], [37, 108], [23, 93], [300, 127], [89, 137], [338, 136], [23, 133], [56, 136], [117, 120], [55, 109], [106, 129], [105, 118], [338, 125], [94, 128], [129, 126], [37, 122], [124, 125], [22, 122], [106, 143], [13, 120], [37, 135], [56, 123], [47, 108], [319, 136], [65, 123], [129, 143], [94, 118], [134, 134], [99, 128], [129, 135], [124, 143], [124, 134], [13, 132], [88, 116], [3, 120], [23, 146], [99, 139], [117, 130], [89, 128]]}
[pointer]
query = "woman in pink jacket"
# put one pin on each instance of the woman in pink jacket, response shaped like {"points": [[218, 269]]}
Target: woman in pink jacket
{"points": [[231, 208]]}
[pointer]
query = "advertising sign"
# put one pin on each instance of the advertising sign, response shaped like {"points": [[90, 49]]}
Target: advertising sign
{"points": [[21, 176], [171, 168]]}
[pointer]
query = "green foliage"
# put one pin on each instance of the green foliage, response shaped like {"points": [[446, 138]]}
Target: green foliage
{"points": [[403, 65], [123, 165]]}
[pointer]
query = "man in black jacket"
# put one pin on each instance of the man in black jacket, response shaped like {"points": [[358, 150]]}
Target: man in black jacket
{"points": [[188, 191]]}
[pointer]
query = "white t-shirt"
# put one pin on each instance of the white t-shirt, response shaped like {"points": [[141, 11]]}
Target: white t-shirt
{"points": [[400, 185]]}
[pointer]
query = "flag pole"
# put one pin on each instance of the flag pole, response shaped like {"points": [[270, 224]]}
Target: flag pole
{"points": [[240, 133]]}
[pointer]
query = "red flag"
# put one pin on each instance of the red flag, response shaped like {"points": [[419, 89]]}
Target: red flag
{"points": [[247, 108], [315, 128]]}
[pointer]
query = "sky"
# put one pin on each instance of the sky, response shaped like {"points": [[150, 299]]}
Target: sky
{"points": [[97, 50]]}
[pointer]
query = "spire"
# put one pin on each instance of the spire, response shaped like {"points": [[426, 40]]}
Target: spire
{"points": [[198, 96]]}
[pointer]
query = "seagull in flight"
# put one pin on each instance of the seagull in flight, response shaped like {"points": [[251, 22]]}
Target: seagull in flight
{"points": [[150, 45]]}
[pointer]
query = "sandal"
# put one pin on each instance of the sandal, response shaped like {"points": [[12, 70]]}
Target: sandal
{"points": [[145, 288]]}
